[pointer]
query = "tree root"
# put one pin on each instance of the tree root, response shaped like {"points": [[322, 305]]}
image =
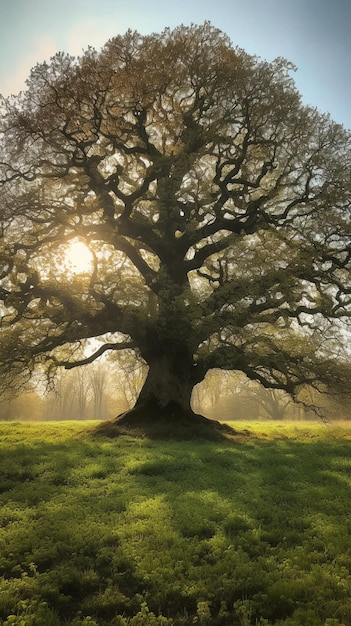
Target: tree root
{"points": [[168, 423]]}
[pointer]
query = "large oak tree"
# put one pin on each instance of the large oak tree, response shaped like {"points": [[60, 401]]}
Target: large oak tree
{"points": [[216, 208]]}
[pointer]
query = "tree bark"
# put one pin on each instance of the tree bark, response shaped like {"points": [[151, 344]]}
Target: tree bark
{"points": [[166, 393], [163, 408], [168, 386]]}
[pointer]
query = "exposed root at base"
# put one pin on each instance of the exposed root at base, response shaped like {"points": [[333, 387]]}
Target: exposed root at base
{"points": [[170, 423]]}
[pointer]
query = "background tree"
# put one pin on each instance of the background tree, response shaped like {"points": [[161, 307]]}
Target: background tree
{"points": [[27, 405], [89, 392], [98, 384], [231, 396], [62, 400], [215, 206]]}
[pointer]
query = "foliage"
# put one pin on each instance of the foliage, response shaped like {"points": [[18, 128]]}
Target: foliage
{"points": [[125, 532], [216, 208]]}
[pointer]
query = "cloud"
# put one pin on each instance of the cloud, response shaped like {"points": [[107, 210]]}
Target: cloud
{"points": [[14, 81]]}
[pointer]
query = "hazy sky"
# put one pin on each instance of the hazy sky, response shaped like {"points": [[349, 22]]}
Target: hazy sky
{"points": [[313, 34]]}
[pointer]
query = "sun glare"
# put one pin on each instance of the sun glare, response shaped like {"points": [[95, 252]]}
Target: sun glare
{"points": [[78, 257]]}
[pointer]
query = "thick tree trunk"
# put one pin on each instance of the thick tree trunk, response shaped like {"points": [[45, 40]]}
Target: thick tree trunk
{"points": [[168, 387], [163, 408], [166, 394]]}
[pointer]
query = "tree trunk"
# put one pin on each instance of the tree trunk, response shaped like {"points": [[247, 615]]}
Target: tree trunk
{"points": [[168, 387], [166, 394], [163, 408]]}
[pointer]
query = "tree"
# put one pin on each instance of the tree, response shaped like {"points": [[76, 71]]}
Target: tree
{"points": [[216, 208], [78, 394], [27, 405], [98, 384], [231, 396], [274, 402]]}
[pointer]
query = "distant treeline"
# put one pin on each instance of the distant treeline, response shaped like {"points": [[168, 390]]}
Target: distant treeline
{"points": [[100, 391]]}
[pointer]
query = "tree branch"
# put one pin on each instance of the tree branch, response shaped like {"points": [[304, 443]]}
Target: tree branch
{"points": [[107, 346]]}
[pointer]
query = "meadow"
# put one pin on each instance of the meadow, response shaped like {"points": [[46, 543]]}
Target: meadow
{"points": [[136, 532]]}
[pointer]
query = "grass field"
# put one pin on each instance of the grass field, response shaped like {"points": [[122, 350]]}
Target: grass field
{"points": [[138, 532]]}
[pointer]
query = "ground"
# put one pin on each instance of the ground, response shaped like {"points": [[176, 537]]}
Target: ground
{"points": [[165, 424]]}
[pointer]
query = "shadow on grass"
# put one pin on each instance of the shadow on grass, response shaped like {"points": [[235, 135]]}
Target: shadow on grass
{"points": [[100, 525], [266, 481], [264, 522]]}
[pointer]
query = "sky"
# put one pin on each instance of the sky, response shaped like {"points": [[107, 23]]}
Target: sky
{"points": [[313, 34]]}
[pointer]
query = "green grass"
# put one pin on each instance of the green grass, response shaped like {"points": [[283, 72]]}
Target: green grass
{"points": [[139, 532]]}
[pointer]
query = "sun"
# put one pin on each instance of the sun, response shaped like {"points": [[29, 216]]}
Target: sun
{"points": [[78, 257]]}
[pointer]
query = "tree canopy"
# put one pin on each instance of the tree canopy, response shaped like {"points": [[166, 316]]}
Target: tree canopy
{"points": [[214, 205]]}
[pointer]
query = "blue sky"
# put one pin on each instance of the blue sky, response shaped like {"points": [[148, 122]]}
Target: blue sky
{"points": [[313, 34]]}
